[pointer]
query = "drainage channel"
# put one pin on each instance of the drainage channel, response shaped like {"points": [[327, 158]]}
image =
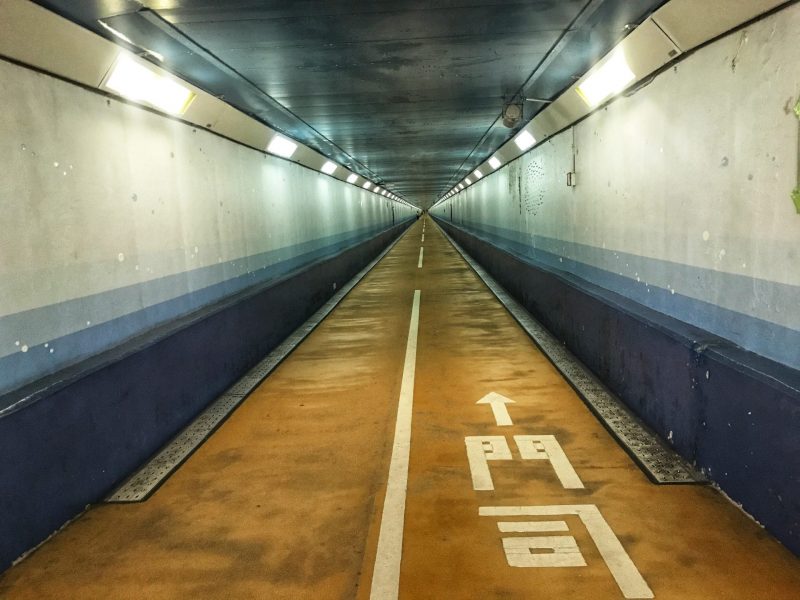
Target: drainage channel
{"points": [[659, 462], [139, 486]]}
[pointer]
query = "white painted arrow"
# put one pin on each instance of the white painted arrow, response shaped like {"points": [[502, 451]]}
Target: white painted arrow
{"points": [[498, 403]]}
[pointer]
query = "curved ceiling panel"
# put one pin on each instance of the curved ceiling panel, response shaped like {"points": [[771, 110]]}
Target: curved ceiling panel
{"points": [[405, 93]]}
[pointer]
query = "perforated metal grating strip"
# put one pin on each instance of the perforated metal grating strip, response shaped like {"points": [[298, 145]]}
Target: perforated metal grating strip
{"points": [[659, 462], [148, 478]]}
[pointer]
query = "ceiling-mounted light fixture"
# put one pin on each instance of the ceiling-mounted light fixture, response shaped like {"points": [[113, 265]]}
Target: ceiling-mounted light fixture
{"points": [[494, 162], [524, 140], [143, 83], [608, 79], [281, 146], [468, 180], [477, 174], [512, 114], [352, 178], [366, 185], [329, 167]]}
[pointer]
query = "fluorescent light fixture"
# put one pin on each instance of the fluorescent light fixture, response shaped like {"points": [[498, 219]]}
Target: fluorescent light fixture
{"points": [[460, 186], [468, 180], [137, 82], [477, 174], [524, 140], [352, 178], [608, 79], [329, 167], [494, 162], [281, 146], [366, 185]]}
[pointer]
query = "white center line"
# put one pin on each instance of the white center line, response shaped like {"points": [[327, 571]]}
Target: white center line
{"points": [[419, 264], [386, 574], [423, 237]]}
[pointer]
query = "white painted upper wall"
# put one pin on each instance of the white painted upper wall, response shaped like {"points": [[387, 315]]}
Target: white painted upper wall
{"points": [[685, 185], [100, 196]]}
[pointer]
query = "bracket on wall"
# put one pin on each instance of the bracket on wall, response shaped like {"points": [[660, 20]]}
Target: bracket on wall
{"points": [[796, 191]]}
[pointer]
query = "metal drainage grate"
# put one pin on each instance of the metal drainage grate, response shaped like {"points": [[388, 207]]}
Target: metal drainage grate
{"points": [[148, 478], [658, 461]]}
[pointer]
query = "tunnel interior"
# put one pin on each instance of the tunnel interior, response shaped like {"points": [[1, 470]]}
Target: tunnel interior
{"points": [[207, 205]]}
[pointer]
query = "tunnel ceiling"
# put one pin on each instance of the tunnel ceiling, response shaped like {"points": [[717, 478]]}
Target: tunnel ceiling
{"points": [[406, 93]]}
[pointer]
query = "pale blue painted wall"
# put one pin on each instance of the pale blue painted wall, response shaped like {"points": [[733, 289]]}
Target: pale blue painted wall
{"points": [[115, 219], [683, 197]]}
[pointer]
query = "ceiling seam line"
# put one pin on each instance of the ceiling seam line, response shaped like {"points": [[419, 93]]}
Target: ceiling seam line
{"points": [[258, 89], [569, 27]]}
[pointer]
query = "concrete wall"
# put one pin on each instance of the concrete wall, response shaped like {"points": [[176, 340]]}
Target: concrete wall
{"points": [[683, 197], [671, 269], [144, 266], [116, 219]]}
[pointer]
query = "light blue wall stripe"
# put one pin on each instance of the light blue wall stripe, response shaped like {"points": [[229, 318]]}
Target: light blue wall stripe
{"points": [[772, 340], [20, 368]]}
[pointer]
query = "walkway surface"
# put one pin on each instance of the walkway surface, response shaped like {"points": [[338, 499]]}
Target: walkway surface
{"points": [[530, 499]]}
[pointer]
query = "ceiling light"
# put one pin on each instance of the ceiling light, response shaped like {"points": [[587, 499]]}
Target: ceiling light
{"points": [[281, 146], [329, 167], [460, 186], [352, 178], [512, 114], [610, 78], [494, 162], [478, 174], [366, 185], [468, 180], [524, 140], [135, 81]]}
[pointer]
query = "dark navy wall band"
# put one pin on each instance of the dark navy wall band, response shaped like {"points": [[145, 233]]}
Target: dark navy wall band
{"points": [[84, 430], [733, 413], [759, 335], [84, 341]]}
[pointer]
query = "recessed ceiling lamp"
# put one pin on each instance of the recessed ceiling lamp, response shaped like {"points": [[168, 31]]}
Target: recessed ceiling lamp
{"points": [[329, 167], [281, 146], [141, 83], [352, 178], [608, 79], [477, 174], [494, 162], [366, 185], [524, 140]]}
